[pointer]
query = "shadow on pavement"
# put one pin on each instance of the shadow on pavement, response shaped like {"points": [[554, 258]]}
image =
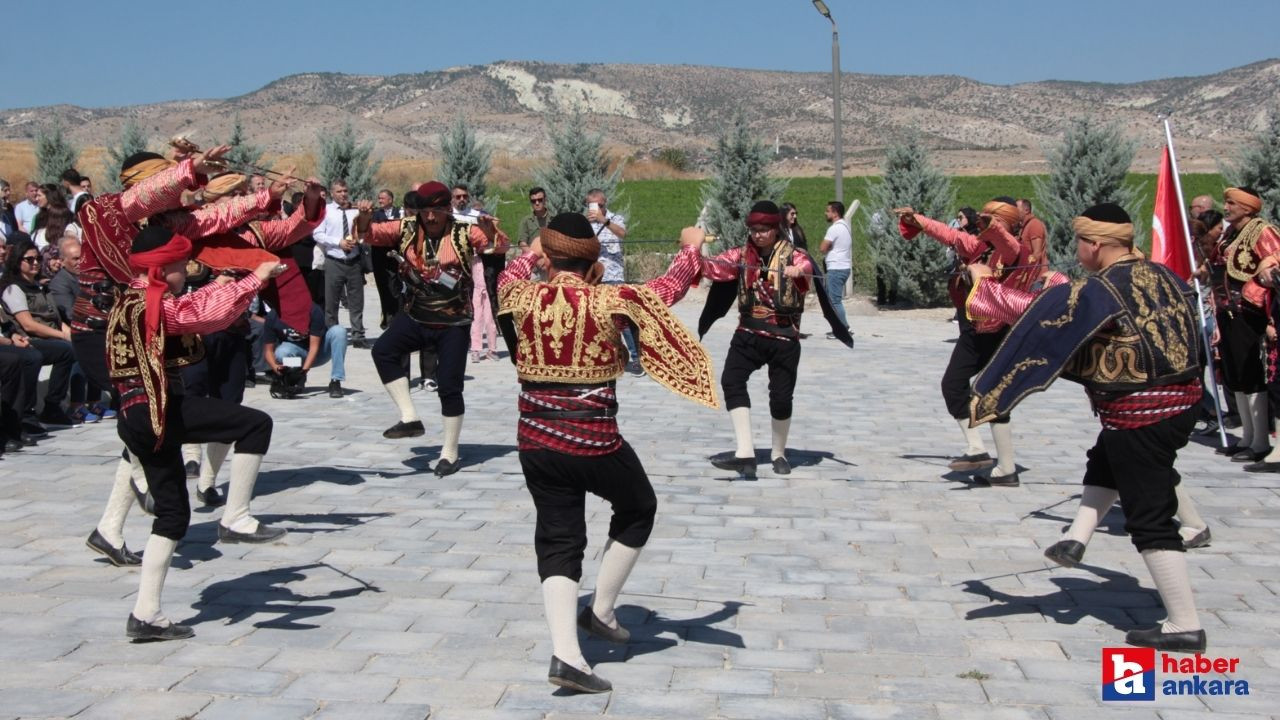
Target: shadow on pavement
{"points": [[264, 593], [1077, 598]]}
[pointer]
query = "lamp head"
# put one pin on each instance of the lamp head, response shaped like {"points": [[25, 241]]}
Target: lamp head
{"points": [[822, 8]]}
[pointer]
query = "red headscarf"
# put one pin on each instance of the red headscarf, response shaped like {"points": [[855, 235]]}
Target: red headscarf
{"points": [[152, 262]]}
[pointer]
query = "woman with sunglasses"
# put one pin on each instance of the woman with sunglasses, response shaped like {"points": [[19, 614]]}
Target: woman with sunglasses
{"points": [[27, 301]]}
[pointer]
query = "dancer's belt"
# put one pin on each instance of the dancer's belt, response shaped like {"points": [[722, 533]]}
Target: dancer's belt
{"points": [[752, 323], [601, 414]]}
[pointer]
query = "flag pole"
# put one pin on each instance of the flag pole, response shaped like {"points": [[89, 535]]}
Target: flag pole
{"points": [[1191, 255]]}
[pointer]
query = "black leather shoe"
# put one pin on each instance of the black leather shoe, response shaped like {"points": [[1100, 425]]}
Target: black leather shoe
{"points": [[781, 466], [211, 497], [1210, 428], [588, 621], [29, 440], [360, 344], [139, 631], [193, 468], [30, 426], [446, 467], [1248, 456], [1200, 539], [1231, 449], [1192, 642], [1010, 480], [1067, 553], [746, 466], [145, 501], [335, 389], [12, 445], [264, 534], [405, 430], [1262, 466], [564, 675], [968, 463], [120, 557]]}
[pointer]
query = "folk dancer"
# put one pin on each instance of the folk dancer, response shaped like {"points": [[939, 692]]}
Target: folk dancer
{"points": [[1128, 333], [153, 188], [768, 277], [1249, 249], [151, 334], [437, 256], [997, 246], [569, 354]]}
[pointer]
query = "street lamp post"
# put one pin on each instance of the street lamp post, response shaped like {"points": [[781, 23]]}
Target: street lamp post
{"points": [[835, 84]]}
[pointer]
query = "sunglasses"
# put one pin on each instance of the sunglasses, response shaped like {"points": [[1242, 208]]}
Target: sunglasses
{"points": [[461, 197], [33, 259], [537, 201]]}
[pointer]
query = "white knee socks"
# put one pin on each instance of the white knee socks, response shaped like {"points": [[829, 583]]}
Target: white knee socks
{"points": [[560, 602], [615, 567], [1006, 464], [972, 439], [155, 565], [1094, 503], [780, 430], [1188, 517], [398, 389], [136, 473], [1169, 572], [449, 446], [741, 418], [111, 526], [191, 453], [215, 455], [244, 474], [1246, 419]]}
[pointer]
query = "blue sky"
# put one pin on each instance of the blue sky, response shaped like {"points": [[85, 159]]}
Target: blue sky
{"points": [[117, 53]]}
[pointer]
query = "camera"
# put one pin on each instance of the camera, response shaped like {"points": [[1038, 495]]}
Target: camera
{"points": [[288, 383]]}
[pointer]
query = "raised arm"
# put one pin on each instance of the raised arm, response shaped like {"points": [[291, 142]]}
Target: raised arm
{"points": [[280, 234], [211, 308], [519, 269], [160, 192], [683, 273], [722, 267]]}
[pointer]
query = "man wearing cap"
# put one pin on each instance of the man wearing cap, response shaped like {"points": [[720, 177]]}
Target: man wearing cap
{"points": [[152, 334], [153, 188], [569, 355], [437, 316], [772, 277], [996, 246], [1091, 331], [1251, 256]]}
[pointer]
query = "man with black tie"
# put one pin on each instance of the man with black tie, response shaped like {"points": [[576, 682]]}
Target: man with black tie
{"points": [[383, 268], [342, 270]]}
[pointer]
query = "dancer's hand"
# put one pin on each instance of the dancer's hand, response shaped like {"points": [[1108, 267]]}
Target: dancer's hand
{"points": [[977, 271], [693, 237]]}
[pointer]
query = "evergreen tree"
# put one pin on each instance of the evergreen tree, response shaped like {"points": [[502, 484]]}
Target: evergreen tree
{"points": [[1258, 167], [578, 164], [464, 160], [1088, 168], [130, 141], [340, 158], [242, 152], [54, 154], [739, 177], [919, 268]]}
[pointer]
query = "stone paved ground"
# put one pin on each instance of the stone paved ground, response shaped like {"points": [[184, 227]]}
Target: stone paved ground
{"points": [[870, 583]]}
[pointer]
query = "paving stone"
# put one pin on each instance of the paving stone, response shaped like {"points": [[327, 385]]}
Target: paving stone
{"points": [[257, 709]]}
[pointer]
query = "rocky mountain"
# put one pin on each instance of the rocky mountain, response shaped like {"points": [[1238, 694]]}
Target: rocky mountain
{"points": [[642, 109]]}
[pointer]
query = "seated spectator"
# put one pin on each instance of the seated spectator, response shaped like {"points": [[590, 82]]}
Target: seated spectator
{"points": [[317, 347], [27, 301], [54, 219]]}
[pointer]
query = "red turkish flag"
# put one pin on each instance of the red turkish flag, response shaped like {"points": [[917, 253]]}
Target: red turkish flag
{"points": [[1168, 235]]}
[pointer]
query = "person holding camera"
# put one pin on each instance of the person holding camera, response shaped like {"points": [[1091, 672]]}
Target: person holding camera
{"points": [[435, 261], [317, 346], [611, 228], [997, 246]]}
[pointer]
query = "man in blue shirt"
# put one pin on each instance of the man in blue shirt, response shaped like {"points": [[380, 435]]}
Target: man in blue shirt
{"points": [[317, 347]]}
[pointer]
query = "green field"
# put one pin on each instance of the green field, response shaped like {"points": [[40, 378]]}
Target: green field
{"points": [[658, 209]]}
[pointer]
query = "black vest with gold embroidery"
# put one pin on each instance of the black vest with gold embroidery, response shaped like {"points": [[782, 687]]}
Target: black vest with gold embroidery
{"points": [[780, 312], [433, 302], [136, 366]]}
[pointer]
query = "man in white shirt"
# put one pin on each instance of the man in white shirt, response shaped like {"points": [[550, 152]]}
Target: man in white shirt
{"points": [[837, 244], [342, 268], [26, 210], [610, 229], [71, 180]]}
